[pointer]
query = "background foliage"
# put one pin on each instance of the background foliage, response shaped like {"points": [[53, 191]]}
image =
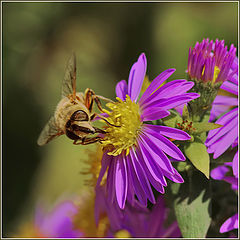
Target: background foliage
{"points": [[38, 38]]}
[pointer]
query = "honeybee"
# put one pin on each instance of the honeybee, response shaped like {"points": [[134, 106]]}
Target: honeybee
{"points": [[73, 114]]}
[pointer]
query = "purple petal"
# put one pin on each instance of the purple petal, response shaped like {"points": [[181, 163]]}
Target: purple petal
{"points": [[158, 212], [167, 146], [223, 130], [142, 176], [152, 176], [219, 172], [160, 93], [58, 223], [222, 144], [111, 180], [106, 159], [135, 182], [233, 181], [156, 83], [176, 87], [121, 181], [235, 143], [176, 177], [151, 114], [157, 154], [221, 104], [226, 100], [149, 165], [216, 111], [131, 192], [235, 165], [170, 89], [136, 77], [235, 63], [122, 89], [173, 102], [233, 76], [179, 109], [222, 121], [230, 87], [230, 224], [170, 132]]}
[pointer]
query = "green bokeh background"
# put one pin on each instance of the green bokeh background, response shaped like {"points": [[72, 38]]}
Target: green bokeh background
{"points": [[107, 38]]}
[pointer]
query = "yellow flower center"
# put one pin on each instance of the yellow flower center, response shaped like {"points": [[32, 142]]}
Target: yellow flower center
{"points": [[122, 234], [125, 115]]}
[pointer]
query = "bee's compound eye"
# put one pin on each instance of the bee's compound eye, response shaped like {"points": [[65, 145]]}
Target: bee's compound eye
{"points": [[79, 115]]}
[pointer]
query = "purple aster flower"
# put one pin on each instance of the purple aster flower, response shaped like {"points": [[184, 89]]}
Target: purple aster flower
{"points": [[57, 223], [135, 152], [211, 61], [135, 220], [219, 140], [220, 173]]}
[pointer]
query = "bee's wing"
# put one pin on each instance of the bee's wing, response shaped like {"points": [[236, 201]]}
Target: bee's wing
{"points": [[69, 80], [49, 132]]}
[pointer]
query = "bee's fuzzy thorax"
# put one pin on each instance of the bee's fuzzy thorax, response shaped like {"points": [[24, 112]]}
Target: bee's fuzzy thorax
{"points": [[66, 108]]}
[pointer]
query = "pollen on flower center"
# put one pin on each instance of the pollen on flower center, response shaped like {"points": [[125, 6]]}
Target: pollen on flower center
{"points": [[125, 115]]}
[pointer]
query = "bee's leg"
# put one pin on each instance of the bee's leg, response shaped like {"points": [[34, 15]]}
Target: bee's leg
{"points": [[75, 142], [86, 141], [89, 99], [90, 96], [93, 116], [97, 101], [105, 99], [98, 130], [105, 120]]}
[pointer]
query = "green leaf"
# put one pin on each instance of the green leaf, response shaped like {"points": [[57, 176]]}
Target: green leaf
{"points": [[172, 119], [205, 126], [197, 153], [192, 206]]}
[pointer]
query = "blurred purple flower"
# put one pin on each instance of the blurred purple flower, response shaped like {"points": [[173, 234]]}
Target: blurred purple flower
{"points": [[230, 224], [219, 173], [219, 140], [135, 152], [135, 220], [211, 61], [57, 223]]}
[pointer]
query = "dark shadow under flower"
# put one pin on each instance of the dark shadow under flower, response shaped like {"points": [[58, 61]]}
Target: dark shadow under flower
{"points": [[221, 173]]}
